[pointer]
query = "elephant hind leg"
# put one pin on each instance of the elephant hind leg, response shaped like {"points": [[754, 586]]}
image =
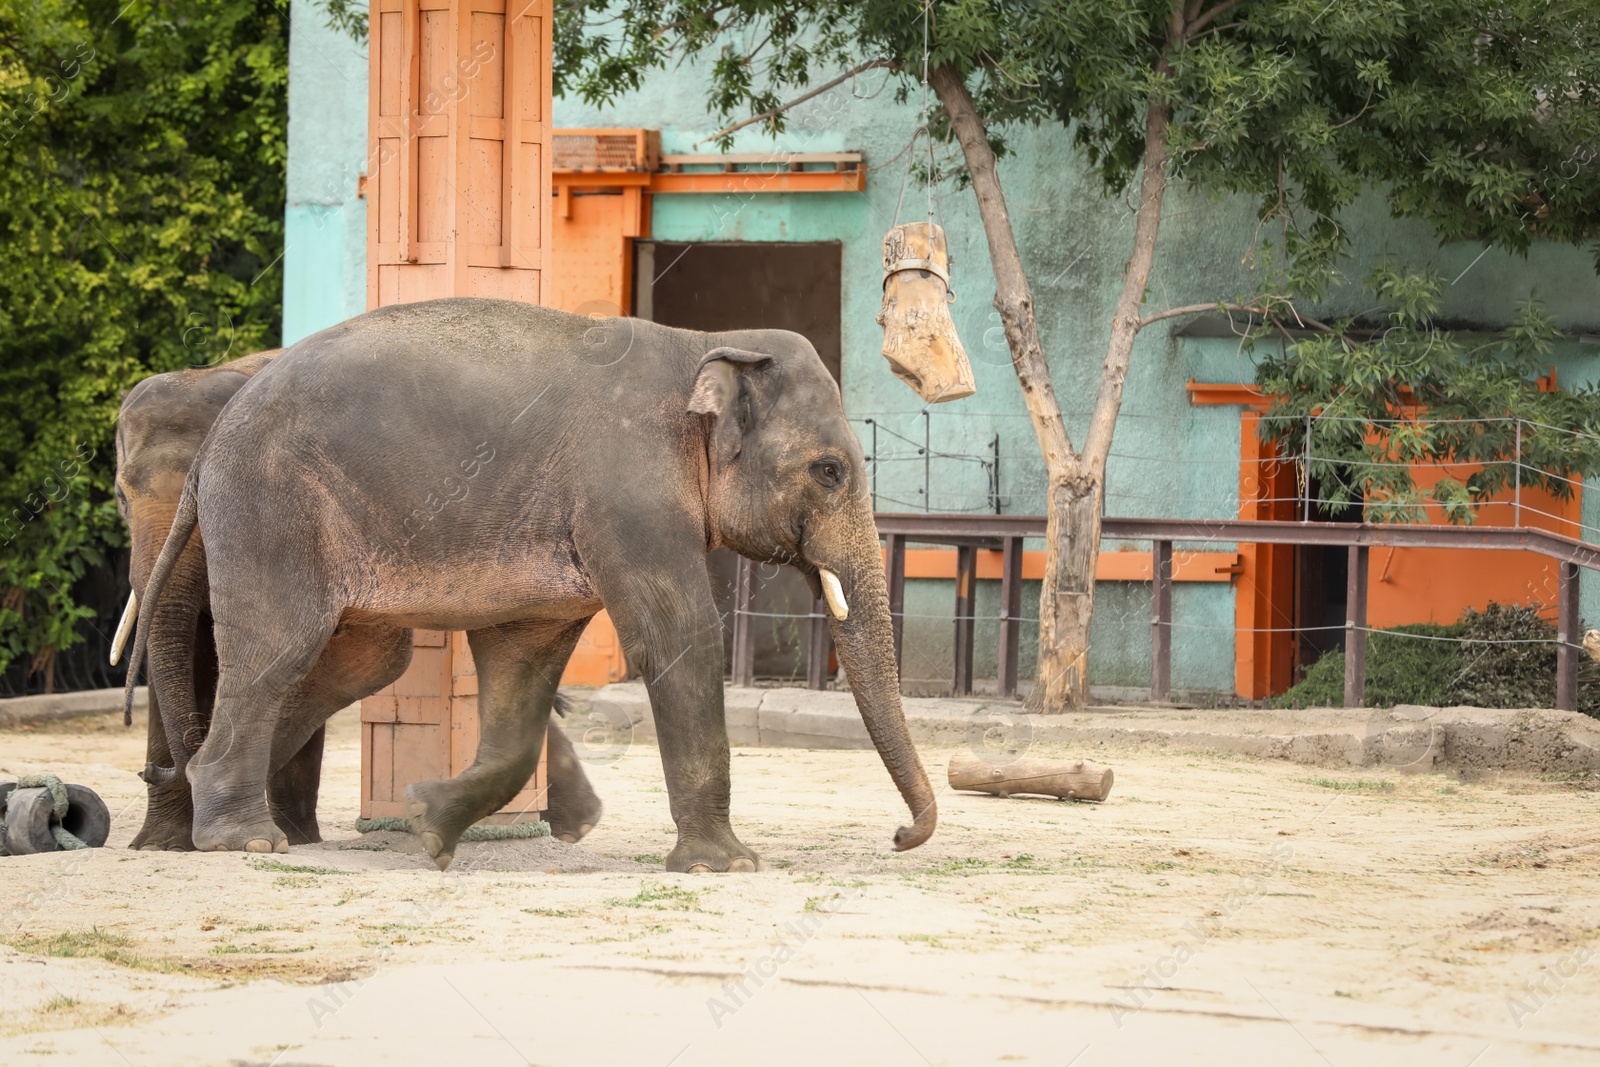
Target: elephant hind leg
{"points": [[264, 656], [519, 666], [574, 807], [357, 662]]}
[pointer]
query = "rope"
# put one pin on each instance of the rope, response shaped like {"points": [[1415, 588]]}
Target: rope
{"points": [[66, 840], [479, 832]]}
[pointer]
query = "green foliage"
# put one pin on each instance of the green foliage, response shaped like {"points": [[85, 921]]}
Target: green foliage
{"points": [[1501, 657], [1463, 399], [1401, 669], [142, 154], [1509, 661], [1480, 117]]}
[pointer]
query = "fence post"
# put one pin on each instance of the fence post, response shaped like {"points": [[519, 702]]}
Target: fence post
{"points": [[744, 652], [966, 605], [896, 566], [1567, 637], [1355, 630], [1516, 498], [1010, 614], [1161, 620], [817, 646]]}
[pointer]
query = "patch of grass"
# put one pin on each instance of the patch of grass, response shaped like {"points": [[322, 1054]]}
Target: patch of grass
{"points": [[653, 859], [92, 943], [258, 928], [1360, 785], [256, 950], [365, 848], [926, 939], [59, 1002], [962, 866], [662, 897], [290, 868], [552, 913]]}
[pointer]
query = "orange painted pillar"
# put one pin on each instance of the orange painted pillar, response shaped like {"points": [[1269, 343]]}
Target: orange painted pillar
{"points": [[458, 190]]}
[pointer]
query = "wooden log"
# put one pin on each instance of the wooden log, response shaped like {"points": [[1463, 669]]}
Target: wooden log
{"points": [[1067, 779], [919, 338]]}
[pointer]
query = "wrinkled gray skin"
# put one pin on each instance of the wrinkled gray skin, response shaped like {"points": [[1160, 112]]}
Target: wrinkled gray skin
{"points": [[162, 423], [508, 470]]}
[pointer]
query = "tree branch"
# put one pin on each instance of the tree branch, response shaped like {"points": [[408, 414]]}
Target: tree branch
{"points": [[1198, 309], [1125, 325], [1198, 23], [818, 91], [1013, 297]]}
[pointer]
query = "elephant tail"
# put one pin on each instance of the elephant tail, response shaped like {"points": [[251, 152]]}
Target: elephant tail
{"points": [[183, 524]]}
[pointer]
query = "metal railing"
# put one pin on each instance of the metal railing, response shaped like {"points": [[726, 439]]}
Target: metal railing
{"points": [[1006, 533]]}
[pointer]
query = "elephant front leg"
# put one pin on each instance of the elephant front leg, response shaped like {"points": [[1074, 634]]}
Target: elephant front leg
{"points": [[673, 634], [518, 666], [292, 792]]}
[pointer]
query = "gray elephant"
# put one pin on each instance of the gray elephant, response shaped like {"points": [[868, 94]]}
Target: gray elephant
{"points": [[160, 428], [508, 470]]}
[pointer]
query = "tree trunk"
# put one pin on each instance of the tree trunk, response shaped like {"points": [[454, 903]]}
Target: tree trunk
{"points": [[1075, 480]]}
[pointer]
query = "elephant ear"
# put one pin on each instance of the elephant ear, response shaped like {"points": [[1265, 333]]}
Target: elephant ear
{"points": [[722, 391]]}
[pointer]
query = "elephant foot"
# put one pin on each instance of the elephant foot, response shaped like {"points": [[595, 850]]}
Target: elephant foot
{"points": [[435, 818], [574, 808], [168, 822], [571, 818], [707, 855], [300, 829], [239, 835]]}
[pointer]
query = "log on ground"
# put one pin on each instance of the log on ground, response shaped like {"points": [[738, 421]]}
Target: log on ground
{"points": [[1067, 779]]}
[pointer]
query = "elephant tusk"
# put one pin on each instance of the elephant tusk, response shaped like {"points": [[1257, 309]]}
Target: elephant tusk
{"points": [[130, 615], [833, 593]]}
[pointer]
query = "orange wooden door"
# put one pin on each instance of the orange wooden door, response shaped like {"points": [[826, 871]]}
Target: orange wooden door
{"points": [[458, 188]]}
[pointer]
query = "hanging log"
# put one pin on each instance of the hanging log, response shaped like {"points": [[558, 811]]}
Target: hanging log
{"points": [[919, 337], [1067, 779]]}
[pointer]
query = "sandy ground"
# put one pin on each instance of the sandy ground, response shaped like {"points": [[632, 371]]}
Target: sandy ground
{"points": [[1216, 909]]}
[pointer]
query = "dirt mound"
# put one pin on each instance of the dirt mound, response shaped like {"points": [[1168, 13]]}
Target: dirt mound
{"points": [[388, 850]]}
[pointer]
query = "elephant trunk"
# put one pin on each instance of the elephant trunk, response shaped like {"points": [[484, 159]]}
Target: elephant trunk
{"points": [[863, 634]]}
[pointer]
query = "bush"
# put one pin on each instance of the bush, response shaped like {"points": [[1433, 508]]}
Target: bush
{"points": [[1501, 657], [1400, 669]]}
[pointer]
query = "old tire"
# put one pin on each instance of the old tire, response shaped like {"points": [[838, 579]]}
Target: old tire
{"points": [[28, 813], [88, 819], [5, 791]]}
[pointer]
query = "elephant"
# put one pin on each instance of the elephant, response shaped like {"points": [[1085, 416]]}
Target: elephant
{"points": [[160, 427], [508, 470]]}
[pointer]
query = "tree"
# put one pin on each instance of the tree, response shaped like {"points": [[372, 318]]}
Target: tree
{"points": [[1462, 113], [142, 152]]}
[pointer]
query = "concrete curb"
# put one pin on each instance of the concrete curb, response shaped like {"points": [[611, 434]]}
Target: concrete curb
{"points": [[1403, 738], [24, 711]]}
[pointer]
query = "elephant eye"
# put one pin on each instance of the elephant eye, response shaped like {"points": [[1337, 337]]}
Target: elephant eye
{"points": [[829, 473]]}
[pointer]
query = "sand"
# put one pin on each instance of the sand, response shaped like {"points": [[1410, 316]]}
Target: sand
{"points": [[1217, 908]]}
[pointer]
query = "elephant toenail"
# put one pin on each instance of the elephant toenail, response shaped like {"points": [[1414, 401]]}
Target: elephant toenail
{"points": [[281, 846], [568, 838], [742, 866], [699, 868], [258, 845], [583, 831]]}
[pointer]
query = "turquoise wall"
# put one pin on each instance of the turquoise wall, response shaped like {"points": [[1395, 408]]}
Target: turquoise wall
{"points": [[1169, 458], [325, 223]]}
